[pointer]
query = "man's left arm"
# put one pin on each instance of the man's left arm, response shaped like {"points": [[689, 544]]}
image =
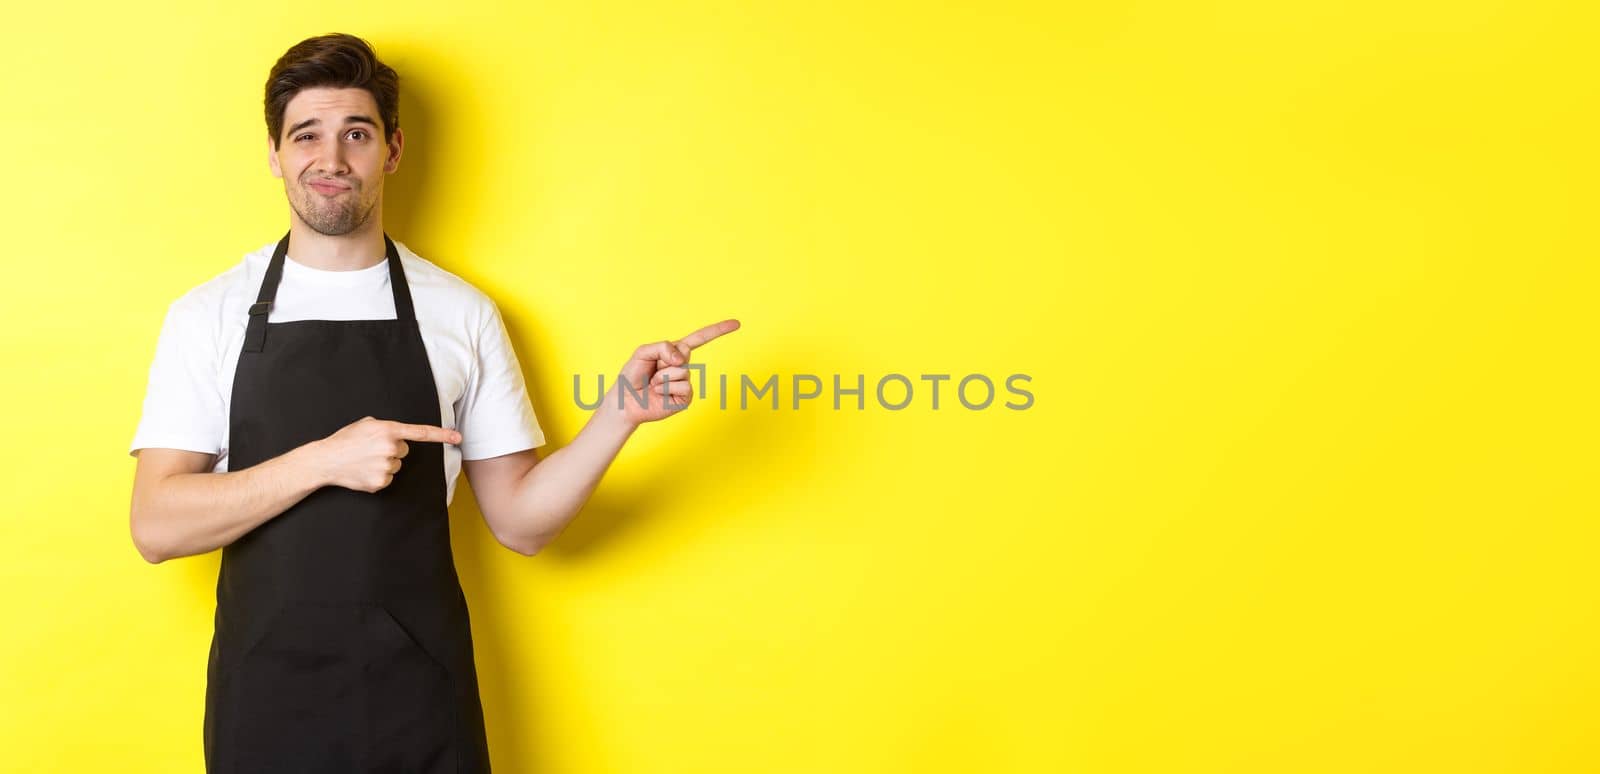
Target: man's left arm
{"points": [[528, 502]]}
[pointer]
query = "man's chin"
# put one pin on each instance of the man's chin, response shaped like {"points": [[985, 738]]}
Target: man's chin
{"points": [[334, 229], [338, 222], [329, 226]]}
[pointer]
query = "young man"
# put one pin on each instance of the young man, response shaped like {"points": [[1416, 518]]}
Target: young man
{"points": [[308, 412]]}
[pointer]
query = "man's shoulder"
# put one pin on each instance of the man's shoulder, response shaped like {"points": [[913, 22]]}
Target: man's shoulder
{"points": [[208, 299], [444, 289]]}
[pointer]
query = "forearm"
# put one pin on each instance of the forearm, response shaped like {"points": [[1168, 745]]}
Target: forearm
{"points": [[193, 513], [551, 493], [528, 503]]}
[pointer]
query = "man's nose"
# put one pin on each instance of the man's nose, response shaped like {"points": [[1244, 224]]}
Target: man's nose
{"points": [[331, 158]]}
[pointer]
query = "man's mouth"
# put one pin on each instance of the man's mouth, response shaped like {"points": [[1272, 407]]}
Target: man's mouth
{"points": [[327, 189]]}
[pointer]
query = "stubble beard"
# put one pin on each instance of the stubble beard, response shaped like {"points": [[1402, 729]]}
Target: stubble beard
{"points": [[332, 217]]}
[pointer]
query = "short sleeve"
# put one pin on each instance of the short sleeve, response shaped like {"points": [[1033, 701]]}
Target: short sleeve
{"points": [[182, 402], [495, 416]]}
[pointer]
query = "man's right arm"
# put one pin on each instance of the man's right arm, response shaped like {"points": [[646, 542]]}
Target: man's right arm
{"points": [[181, 509]]}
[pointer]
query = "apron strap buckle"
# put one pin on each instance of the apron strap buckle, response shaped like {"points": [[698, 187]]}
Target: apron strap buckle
{"points": [[255, 332]]}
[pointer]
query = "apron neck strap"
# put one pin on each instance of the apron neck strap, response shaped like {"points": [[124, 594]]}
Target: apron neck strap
{"points": [[403, 310]]}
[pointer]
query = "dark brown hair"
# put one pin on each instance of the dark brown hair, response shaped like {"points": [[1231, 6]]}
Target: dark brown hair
{"points": [[337, 61]]}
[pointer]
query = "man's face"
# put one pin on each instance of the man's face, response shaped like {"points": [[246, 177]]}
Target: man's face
{"points": [[332, 158]]}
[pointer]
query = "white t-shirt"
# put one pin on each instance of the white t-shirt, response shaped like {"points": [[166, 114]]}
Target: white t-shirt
{"points": [[481, 390]]}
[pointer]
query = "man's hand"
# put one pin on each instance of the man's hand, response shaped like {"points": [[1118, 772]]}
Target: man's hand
{"points": [[365, 454], [659, 378], [528, 501]]}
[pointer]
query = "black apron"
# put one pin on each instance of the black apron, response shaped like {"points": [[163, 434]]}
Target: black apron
{"points": [[342, 641]]}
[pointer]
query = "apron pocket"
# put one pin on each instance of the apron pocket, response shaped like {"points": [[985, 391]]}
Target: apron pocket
{"points": [[297, 694], [411, 726]]}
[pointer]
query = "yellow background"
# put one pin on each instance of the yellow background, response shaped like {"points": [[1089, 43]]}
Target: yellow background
{"points": [[1306, 292]]}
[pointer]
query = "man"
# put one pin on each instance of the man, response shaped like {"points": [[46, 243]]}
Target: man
{"points": [[308, 412]]}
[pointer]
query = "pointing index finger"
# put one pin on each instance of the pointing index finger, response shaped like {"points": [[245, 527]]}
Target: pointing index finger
{"points": [[426, 433], [710, 332]]}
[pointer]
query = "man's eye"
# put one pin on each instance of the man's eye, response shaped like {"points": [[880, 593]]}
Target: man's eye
{"points": [[302, 137], [361, 132]]}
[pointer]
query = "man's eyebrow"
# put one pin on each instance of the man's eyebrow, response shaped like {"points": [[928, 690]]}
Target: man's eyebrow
{"points": [[355, 119]]}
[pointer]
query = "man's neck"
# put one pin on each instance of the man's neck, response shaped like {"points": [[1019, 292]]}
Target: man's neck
{"points": [[358, 249]]}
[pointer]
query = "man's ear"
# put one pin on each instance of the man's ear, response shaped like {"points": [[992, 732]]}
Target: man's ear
{"points": [[272, 159], [396, 144]]}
